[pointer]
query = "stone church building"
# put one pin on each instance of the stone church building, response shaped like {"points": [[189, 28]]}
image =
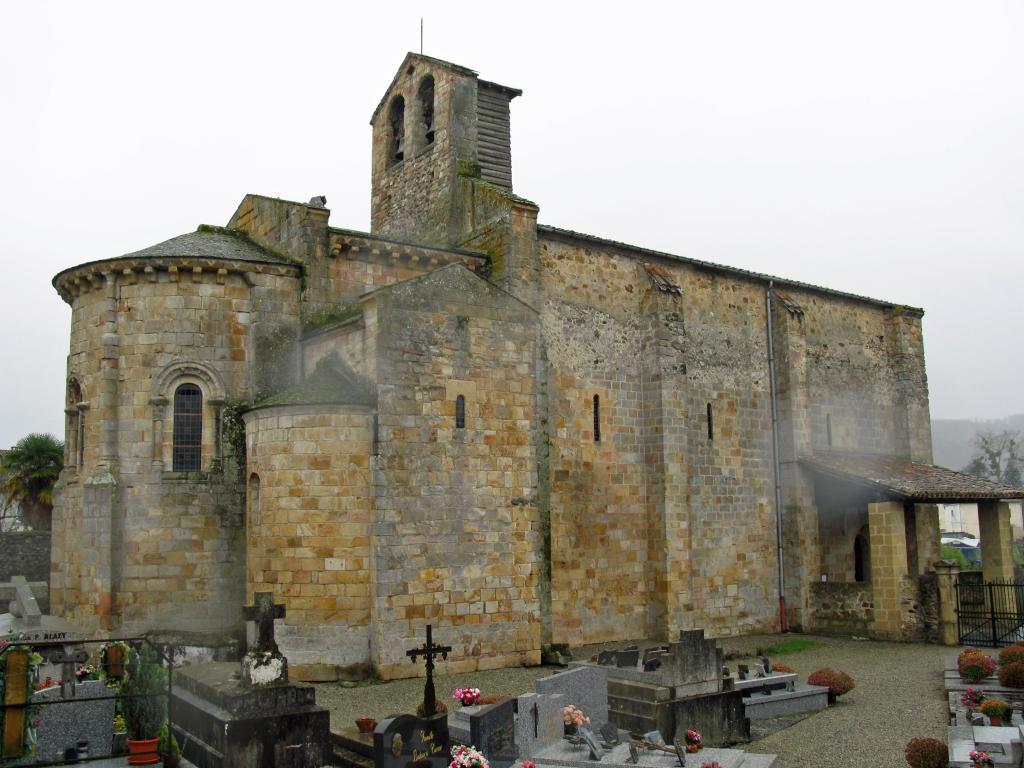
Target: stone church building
{"points": [[517, 433]]}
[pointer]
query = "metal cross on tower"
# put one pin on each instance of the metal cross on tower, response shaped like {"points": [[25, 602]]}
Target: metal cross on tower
{"points": [[428, 651]]}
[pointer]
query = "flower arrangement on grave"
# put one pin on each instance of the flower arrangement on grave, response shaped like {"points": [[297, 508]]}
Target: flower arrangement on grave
{"points": [[926, 752], [712, 764], [113, 656], [86, 672], [972, 698], [995, 709], [468, 696], [981, 759], [694, 741], [975, 665], [467, 757], [439, 708], [838, 683], [573, 717], [527, 764], [1012, 675], [1012, 654]]}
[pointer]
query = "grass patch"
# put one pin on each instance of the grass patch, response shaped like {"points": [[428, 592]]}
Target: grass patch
{"points": [[790, 646]]}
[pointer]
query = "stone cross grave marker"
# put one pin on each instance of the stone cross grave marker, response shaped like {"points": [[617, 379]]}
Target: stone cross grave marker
{"points": [[263, 612], [428, 650], [24, 605], [264, 664], [69, 657]]}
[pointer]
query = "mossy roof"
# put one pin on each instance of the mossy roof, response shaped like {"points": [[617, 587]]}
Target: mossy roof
{"points": [[331, 383], [211, 242]]}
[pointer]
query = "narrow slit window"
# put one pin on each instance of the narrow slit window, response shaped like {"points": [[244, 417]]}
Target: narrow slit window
{"points": [[711, 423], [427, 108], [597, 418], [460, 412], [828, 428], [396, 123], [188, 428]]}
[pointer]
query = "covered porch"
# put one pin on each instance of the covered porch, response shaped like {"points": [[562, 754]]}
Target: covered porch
{"points": [[880, 572]]}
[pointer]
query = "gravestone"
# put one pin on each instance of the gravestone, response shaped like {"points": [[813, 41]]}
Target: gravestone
{"points": [[585, 687], [627, 658], [744, 670], [591, 741], [606, 657], [406, 740], [610, 734], [87, 714], [538, 721], [492, 730]]}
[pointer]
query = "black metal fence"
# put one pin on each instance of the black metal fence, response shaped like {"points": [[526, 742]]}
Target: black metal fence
{"points": [[60, 728], [990, 613]]}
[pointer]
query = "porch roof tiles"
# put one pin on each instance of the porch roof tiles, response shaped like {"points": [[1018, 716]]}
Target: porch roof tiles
{"points": [[901, 478]]}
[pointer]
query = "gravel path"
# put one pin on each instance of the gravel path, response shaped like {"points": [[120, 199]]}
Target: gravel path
{"points": [[898, 695]]}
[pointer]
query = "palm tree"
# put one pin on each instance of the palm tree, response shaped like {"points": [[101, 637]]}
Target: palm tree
{"points": [[28, 473]]}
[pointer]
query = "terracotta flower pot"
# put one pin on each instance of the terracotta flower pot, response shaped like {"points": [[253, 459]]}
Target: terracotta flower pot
{"points": [[114, 661], [366, 724], [143, 751], [995, 719]]}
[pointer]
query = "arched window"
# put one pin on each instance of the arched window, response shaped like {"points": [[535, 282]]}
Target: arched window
{"points": [[460, 412], [396, 122], [597, 418], [426, 98], [76, 425], [188, 429], [254, 501]]}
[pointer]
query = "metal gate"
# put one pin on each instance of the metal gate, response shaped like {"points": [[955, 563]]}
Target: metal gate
{"points": [[989, 613]]}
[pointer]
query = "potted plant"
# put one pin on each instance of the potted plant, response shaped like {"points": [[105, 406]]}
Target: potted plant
{"points": [[994, 709], [143, 697], [1012, 675], [926, 752], [694, 741], [365, 724], [838, 683], [975, 665], [120, 735], [981, 759]]}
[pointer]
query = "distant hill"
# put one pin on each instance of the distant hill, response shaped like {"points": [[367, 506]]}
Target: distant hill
{"points": [[953, 439]]}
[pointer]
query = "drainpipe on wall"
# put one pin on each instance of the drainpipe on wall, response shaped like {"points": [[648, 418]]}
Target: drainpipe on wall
{"points": [[776, 469]]}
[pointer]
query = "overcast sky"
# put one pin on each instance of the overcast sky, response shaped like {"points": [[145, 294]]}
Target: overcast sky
{"points": [[871, 147]]}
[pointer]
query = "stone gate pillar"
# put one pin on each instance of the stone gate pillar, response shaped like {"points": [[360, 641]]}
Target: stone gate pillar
{"points": [[888, 566], [948, 571], [996, 541]]}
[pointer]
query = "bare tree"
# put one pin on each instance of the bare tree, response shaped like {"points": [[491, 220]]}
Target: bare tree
{"points": [[997, 457]]}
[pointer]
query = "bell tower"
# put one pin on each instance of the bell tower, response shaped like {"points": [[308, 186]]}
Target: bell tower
{"points": [[439, 133]]}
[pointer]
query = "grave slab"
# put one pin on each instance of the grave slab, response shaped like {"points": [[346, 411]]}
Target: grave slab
{"points": [[805, 698], [87, 714]]}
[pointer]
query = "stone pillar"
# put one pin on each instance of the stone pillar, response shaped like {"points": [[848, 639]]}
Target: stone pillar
{"points": [[996, 541], [926, 528], [888, 566], [159, 404], [948, 572]]}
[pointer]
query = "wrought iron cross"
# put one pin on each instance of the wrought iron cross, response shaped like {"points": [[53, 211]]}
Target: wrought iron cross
{"points": [[263, 612], [428, 651]]}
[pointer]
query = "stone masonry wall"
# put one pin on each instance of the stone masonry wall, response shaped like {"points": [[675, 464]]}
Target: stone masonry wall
{"points": [[457, 539], [25, 553], [136, 545], [627, 530], [841, 608], [309, 511]]}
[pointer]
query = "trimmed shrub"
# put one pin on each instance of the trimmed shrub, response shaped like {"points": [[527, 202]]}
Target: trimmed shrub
{"points": [[926, 753], [837, 683], [1012, 676], [1012, 654]]}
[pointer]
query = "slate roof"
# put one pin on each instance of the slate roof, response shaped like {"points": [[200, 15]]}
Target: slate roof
{"points": [[902, 479], [209, 242]]}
